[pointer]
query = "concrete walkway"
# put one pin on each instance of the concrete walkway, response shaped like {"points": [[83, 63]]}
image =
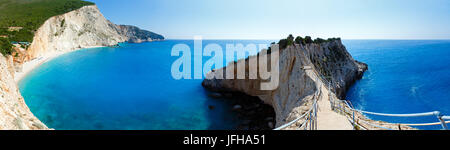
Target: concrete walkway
{"points": [[327, 119]]}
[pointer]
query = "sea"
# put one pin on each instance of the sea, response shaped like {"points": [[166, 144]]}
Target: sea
{"points": [[404, 76], [131, 87]]}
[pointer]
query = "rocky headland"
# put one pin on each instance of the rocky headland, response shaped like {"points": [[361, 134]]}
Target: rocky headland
{"points": [[82, 28], [328, 62]]}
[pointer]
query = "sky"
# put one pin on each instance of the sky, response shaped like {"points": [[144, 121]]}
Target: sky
{"points": [[275, 19]]}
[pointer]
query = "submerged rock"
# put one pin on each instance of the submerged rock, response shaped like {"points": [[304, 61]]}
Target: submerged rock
{"points": [[215, 95], [252, 118], [237, 107]]}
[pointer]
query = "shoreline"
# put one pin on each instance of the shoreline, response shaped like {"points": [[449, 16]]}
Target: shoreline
{"points": [[29, 66]]}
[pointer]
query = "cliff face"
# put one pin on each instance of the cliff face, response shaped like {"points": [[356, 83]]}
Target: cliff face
{"points": [[14, 113], [298, 85], [82, 28], [136, 35]]}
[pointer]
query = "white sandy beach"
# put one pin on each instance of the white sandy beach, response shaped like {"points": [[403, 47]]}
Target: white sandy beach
{"points": [[28, 66]]}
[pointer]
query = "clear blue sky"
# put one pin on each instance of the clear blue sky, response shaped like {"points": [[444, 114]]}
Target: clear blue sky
{"points": [[274, 19]]}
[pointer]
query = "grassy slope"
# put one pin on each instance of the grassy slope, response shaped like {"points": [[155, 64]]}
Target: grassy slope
{"points": [[31, 14]]}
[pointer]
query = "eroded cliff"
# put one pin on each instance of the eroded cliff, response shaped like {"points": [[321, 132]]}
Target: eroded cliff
{"points": [[135, 35], [328, 62], [82, 28], [14, 113]]}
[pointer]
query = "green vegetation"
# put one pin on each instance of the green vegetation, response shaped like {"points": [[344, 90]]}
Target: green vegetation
{"points": [[63, 22], [5, 46], [319, 40], [303, 41], [31, 14], [337, 53], [283, 43], [290, 39], [299, 40], [308, 40]]}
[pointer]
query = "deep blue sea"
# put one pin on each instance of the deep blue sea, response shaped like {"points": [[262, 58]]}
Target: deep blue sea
{"points": [[130, 87], [404, 76]]}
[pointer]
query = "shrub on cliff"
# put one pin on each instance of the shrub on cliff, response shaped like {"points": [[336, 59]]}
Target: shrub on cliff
{"points": [[333, 39], [308, 40], [283, 43], [5, 47], [290, 39], [300, 40], [319, 40]]}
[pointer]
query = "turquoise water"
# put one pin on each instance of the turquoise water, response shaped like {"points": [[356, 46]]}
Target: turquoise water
{"points": [[130, 87], [408, 76]]}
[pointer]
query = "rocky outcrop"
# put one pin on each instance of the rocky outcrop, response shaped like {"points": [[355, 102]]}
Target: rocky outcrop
{"points": [[135, 35], [329, 62], [14, 113], [82, 28]]}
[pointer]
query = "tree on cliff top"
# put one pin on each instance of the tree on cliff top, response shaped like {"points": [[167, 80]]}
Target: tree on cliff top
{"points": [[319, 40], [299, 40], [283, 43], [290, 39], [308, 40]]}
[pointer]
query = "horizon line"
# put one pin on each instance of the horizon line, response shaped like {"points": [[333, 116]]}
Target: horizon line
{"points": [[282, 38]]}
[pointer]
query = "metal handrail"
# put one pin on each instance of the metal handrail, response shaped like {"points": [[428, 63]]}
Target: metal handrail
{"points": [[312, 116], [301, 117], [308, 113], [441, 118], [446, 117], [293, 121], [375, 125], [401, 115]]}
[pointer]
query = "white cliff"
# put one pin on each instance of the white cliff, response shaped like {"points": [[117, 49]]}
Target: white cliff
{"points": [[82, 28], [298, 85], [14, 113]]}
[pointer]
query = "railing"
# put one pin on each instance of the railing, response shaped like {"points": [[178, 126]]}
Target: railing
{"points": [[346, 108], [355, 120], [310, 123]]}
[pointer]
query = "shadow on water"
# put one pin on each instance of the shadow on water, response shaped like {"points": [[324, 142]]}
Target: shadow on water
{"points": [[248, 112]]}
